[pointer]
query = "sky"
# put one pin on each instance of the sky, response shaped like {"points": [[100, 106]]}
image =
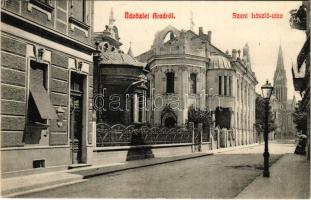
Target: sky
{"points": [[264, 36]]}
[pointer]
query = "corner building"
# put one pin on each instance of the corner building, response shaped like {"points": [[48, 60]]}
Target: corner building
{"points": [[46, 84], [188, 70]]}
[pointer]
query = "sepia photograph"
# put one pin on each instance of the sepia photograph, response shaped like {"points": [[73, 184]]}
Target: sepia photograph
{"points": [[155, 99]]}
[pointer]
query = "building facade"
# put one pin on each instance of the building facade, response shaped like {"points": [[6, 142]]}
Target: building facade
{"points": [[187, 70], [281, 106], [46, 83]]}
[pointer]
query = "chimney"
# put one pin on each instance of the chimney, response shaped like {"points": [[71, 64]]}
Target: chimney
{"points": [[209, 36], [234, 52], [200, 31]]}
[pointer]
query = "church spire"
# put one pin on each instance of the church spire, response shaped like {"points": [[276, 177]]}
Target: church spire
{"points": [[280, 62], [279, 79]]}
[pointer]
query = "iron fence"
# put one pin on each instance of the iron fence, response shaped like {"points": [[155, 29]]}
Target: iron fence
{"points": [[120, 135]]}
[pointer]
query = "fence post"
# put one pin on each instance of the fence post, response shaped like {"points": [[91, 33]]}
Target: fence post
{"points": [[200, 127], [191, 127]]}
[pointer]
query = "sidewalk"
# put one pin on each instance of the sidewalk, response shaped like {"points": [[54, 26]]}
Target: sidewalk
{"points": [[15, 186], [289, 178]]}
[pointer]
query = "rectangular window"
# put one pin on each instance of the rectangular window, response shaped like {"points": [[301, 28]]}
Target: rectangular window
{"points": [[39, 105], [219, 85], [225, 85], [230, 85], [193, 83], [43, 4], [79, 10], [38, 164], [76, 83], [170, 82]]}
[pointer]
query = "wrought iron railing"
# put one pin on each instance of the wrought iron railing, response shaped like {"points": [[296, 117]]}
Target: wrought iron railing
{"points": [[120, 135]]}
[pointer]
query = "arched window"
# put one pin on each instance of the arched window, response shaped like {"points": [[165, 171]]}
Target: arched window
{"points": [[170, 80]]}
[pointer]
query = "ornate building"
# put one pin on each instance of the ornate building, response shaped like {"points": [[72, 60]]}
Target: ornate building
{"points": [[46, 84], [120, 80], [188, 70], [282, 107]]}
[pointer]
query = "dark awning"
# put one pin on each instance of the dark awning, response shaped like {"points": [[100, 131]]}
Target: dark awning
{"points": [[42, 102]]}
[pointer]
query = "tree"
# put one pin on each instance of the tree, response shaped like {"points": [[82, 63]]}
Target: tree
{"points": [[300, 118], [199, 116], [260, 116]]}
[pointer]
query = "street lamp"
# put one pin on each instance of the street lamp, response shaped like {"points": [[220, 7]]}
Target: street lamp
{"points": [[266, 94]]}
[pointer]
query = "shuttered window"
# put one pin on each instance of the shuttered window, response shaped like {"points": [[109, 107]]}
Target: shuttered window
{"points": [[39, 104]]}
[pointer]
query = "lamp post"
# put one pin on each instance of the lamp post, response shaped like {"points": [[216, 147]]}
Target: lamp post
{"points": [[266, 94]]}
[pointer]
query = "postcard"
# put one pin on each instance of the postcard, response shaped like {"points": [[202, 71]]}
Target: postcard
{"points": [[155, 99]]}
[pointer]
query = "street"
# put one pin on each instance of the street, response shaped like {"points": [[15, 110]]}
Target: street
{"points": [[223, 175]]}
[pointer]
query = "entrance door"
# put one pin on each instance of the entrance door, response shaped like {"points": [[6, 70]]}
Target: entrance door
{"points": [[169, 122], [76, 117]]}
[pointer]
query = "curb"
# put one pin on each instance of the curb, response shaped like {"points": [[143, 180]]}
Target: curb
{"points": [[136, 166], [124, 168]]}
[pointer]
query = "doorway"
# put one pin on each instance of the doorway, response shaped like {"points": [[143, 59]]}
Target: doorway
{"points": [[76, 116], [169, 122]]}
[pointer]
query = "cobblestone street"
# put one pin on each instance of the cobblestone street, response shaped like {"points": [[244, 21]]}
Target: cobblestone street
{"points": [[223, 175]]}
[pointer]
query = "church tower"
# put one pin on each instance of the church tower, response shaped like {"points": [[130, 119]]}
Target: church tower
{"points": [[279, 79]]}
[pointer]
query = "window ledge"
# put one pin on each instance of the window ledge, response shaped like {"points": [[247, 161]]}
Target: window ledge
{"points": [[78, 23], [38, 125], [42, 5]]}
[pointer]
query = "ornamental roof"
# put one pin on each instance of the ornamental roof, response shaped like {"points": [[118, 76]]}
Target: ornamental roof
{"points": [[117, 58]]}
